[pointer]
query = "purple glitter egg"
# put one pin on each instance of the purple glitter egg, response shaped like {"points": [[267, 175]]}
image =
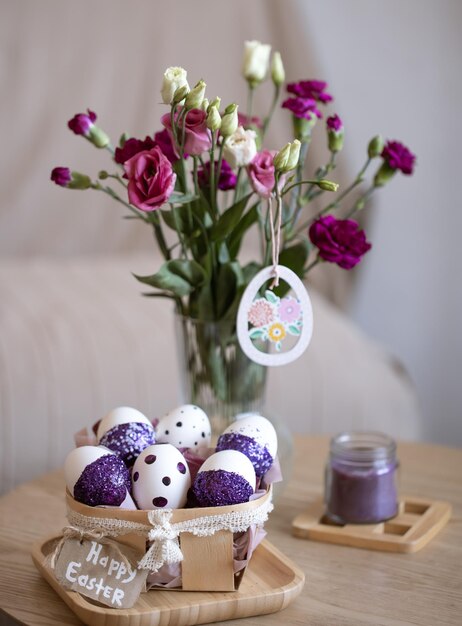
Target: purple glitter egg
{"points": [[128, 440], [220, 488], [259, 456], [106, 481]]}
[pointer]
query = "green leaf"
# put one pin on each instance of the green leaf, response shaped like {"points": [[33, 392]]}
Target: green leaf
{"points": [[182, 198], [271, 297], [256, 333], [250, 270], [235, 238], [180, 277], [223, 253], [178, 219], [229, 220], [230, 278], [293, 330], [294, 258]]}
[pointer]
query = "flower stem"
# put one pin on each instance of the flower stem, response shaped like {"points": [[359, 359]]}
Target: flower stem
{"points": [[267, 120], [361, 202], [236, 189], [249, 104], [213, 198]]}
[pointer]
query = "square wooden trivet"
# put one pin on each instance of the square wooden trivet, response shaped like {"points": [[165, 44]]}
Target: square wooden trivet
{"points": [[416, 523]]}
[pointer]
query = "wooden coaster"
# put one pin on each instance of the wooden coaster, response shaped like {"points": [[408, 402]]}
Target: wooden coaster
{"points": [[417, 522], [271, 581]]}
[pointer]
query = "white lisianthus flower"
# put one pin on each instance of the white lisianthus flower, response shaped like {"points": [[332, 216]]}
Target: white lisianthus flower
{"points": [[174, 77], [240, 148], [256, 61]]}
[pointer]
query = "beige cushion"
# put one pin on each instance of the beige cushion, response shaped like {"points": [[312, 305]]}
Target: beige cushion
{"points": [[77, 339]]}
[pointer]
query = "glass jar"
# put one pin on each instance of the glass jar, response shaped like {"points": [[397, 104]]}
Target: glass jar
{"points": [[361, 478]]}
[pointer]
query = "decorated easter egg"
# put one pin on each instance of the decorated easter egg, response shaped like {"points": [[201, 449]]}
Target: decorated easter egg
{"points": [[96, 476], [160, 478], [226, 477], [187, 426], [127, 432], [255, 437]]}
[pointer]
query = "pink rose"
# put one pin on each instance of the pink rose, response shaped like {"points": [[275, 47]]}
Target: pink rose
{"points": [[151, 179], [261, 173], [198, 138]]}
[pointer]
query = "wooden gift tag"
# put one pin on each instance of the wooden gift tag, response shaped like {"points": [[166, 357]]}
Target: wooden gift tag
{"points": [[101, 570]]}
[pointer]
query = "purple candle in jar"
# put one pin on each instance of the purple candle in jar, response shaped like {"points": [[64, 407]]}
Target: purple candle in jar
{"points": [[361, 478]]}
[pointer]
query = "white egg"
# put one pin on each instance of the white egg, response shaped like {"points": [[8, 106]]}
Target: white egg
{"points": [[258, 428], [230, 461], [78, 459], [120, 415], [160, 478], [187, 426]]}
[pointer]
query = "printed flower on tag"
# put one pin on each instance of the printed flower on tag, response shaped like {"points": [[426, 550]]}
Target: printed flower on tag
{"points": [[273, 319]]}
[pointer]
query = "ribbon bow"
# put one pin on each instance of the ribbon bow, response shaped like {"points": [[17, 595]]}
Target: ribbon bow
{"points": [[164, 538]]}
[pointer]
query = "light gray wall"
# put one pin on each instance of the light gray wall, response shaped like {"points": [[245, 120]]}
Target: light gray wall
{"points": [[395, 67]]}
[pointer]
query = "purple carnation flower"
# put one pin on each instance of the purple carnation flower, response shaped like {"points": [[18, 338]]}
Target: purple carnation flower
{"points": [[302, 107], [227, 178], [164, 141], [61, 176], [313, 89], [398, 157], [334, 123], [339, 241], [81, 123], [131, 147]]}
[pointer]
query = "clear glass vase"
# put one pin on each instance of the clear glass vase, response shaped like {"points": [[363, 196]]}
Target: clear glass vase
{"points": [[216, 375]]}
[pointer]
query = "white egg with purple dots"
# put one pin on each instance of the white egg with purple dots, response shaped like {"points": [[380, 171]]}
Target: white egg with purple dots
{"points": [[186, 426], [160, 478]]}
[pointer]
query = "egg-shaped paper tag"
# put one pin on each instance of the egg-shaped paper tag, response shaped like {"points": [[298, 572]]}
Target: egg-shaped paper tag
{"points": [[273, 319]]}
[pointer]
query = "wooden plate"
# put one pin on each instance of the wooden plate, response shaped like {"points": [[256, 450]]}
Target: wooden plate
{"points": [[416, 523], [270, 583]]}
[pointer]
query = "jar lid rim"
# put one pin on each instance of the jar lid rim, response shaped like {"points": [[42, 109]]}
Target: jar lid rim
{"points": [[362, 446]]}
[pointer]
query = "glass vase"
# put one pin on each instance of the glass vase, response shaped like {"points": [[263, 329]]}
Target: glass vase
{"points": [[217, 376], [215, 373]]}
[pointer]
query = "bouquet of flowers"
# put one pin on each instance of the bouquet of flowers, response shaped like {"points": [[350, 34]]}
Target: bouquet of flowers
{"points": [[206, 178]]}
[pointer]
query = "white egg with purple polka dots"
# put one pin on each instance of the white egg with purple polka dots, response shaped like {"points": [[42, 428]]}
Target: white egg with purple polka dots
{"points": [[160, 478], [126, 431], [187, 426], [254, 436]]}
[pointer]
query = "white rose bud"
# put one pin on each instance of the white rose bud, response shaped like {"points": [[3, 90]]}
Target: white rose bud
{"points": [[213, 120], [205, 105], [278, 74], [174, 77], [256, 62], [195, 96], [240, 148], [294, 155], [287, 158], [229, 121]]}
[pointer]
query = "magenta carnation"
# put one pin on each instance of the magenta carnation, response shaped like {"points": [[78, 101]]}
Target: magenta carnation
{"points": [[151, 179], [334, 123], [61, 176], [398, 157], [227, 180], [254, 121], [302, 107], [131, 147], [339, 241], [81, 123], [198, 138], [314, 89], [164, 141]]}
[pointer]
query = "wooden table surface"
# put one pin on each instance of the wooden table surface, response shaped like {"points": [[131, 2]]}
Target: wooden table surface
{"points": [[344, 586]]}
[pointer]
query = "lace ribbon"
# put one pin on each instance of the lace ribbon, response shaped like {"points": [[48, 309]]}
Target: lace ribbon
{"points": [[161, 533]]}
